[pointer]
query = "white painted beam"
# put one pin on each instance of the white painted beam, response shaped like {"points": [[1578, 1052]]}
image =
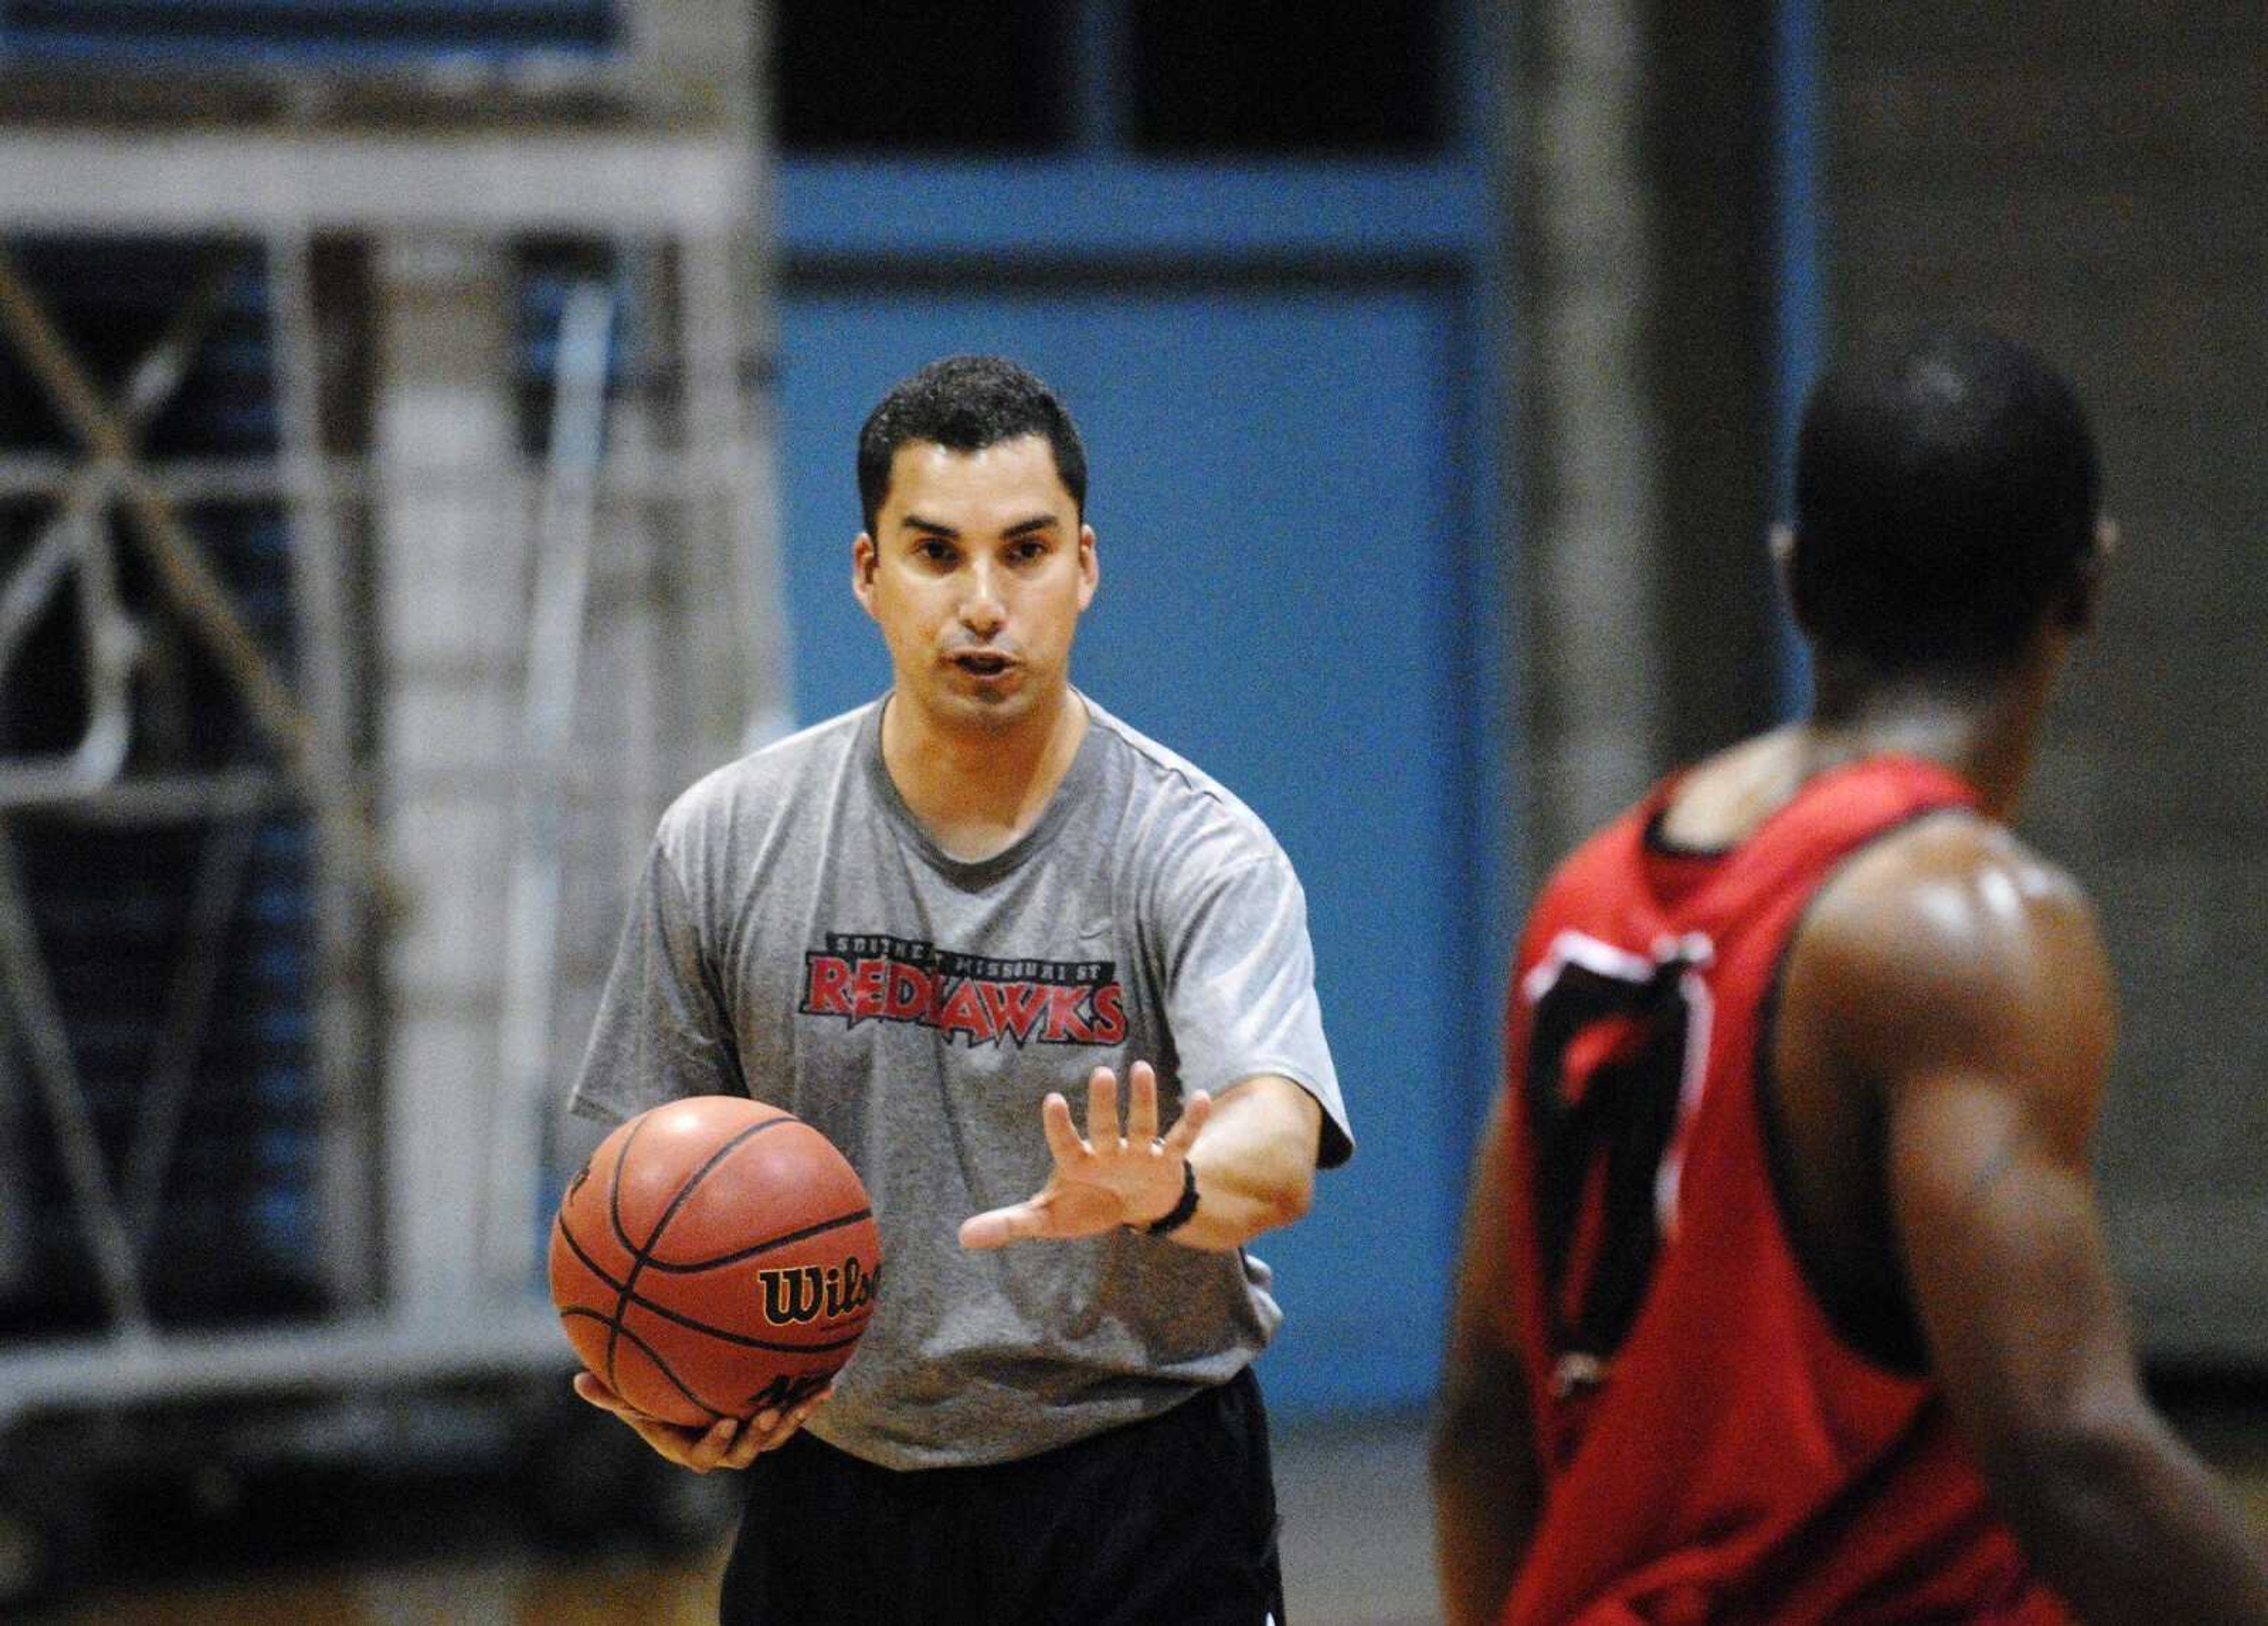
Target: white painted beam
{"points": [[239, 181]]}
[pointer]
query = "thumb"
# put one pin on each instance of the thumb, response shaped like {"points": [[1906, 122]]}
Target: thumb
{"points": [[997, 1228]]}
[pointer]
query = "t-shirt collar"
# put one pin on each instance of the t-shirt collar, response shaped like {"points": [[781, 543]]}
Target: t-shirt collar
{"points": [[1076, 785]]}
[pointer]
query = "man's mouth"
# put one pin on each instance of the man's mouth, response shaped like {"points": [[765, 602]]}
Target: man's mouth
{"points": [[983, 663]]}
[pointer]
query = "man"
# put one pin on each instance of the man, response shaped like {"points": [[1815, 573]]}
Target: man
{"points": [[1784, 1298], [910, 926]]}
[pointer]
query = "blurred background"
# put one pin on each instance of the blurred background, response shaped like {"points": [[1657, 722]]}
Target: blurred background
{"points": [[425, 446]]}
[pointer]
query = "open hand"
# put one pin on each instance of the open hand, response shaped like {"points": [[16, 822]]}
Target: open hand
{"points": [[727, 1443], [1109, 1179]]}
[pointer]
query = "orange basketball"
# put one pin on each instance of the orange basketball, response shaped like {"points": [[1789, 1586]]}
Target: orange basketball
{"points": [[714, 1258]]}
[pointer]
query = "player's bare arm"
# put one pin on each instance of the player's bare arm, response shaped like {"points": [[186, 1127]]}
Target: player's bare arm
{"points": [[1971, 994], [1252, 1154], [727, 1443], [1485, 1486]]}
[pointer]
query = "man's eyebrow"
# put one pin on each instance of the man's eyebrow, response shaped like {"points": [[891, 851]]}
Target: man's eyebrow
{"points": [[937, 528]]}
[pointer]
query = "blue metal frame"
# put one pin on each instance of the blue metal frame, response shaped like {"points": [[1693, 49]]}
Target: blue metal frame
{"points": [[253, 35], [1800, 300], [1086, 208], [1496, 882]]}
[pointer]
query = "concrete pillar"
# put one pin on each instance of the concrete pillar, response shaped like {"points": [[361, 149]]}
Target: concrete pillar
{"points": [[451, 534], [1593, 671]]}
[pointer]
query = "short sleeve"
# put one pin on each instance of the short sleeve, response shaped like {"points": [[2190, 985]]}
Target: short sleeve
{"points": [[1240, 990], [662, 1030]]}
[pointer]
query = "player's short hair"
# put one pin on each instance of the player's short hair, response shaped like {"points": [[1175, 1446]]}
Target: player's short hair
{"points": [[1946, 501], [966, 403]]}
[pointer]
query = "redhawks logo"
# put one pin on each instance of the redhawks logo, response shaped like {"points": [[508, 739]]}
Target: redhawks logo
{"points": [[864, 978]]}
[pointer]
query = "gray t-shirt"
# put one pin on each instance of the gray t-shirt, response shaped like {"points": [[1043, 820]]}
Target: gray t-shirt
{"points": [[799, 938]]}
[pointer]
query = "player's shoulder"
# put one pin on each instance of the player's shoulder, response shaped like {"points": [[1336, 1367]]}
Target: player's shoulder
{"points": [[1189, 811], [764, 784], [1953, 871], [1954, 905]]}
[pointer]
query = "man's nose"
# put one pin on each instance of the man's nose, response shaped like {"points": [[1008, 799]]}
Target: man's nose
{"points": [[981, 609]]}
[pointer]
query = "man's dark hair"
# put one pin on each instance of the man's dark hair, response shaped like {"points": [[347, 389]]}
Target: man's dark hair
{"points": [[1946, 493], [966, 403]]}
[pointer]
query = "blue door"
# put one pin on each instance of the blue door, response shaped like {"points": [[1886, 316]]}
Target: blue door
{"points": [[1285, 602]]}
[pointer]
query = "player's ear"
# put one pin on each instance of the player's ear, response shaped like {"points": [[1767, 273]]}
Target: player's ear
{"points": [[1090, 566], [2086, 591], [864, 558]]}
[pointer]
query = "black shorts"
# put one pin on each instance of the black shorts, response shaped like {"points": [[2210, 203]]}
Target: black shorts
{"points": [[1167, 1522]]}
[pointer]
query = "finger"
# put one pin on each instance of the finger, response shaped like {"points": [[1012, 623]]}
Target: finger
{"points": [[681, 1445], [1195, 1111], [589, 1387], [804, 1411], [1141, 1105], [594, 1390], [1070, 1151], [754, 1440], [997, 1228], [710, 1448], [754, 1435], [751, 1445], [747, 1448], [1102, 1110]]}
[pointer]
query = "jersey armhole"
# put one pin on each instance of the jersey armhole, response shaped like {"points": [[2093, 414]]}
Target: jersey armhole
{"points": [[1880, 1326]]}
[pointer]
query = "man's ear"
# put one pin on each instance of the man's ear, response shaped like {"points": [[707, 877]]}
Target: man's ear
{"points": [[1090, 566], [864, 558]]}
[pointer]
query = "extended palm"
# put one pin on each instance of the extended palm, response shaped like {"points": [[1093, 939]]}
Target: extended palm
{"points": [[1109, 1177]]}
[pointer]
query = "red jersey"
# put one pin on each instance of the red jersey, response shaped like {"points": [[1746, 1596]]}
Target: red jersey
{"points": [[1712, 1448]]}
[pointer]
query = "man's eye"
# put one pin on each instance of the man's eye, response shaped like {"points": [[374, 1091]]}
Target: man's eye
{"points": [[934, 551], [1026, 553]]}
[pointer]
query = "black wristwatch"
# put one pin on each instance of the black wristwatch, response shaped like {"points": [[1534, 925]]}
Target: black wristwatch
{"points": [[1174, 1217]]}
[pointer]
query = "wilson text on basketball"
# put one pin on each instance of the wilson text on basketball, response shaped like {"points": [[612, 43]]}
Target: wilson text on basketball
{"points": [[800, 1294]]}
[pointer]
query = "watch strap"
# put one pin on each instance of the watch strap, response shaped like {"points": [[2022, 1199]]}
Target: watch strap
{"points": [[1174, 1217]]}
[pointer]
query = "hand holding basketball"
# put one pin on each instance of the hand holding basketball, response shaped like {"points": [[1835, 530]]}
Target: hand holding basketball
{"points": [[727, 1443], [1107, 1179]]}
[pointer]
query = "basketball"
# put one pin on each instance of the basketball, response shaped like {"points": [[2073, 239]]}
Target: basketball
{"points": [[715, 1258]]}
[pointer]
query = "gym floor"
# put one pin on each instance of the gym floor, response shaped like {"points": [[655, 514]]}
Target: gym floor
{"points": [[455, 1552], [1357, 1544]]}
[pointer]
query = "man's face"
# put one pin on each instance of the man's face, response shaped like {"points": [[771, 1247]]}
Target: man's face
{"points": [[977, 572]]}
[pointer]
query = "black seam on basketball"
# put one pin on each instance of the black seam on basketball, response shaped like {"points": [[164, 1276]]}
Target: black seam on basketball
{"points": [[615, 1179], [667, 1314], [628, 1295], [614, 1217], [685, 1190], [764, 1246], [661, 1365], [639, 1254], [744, 1340], [581, 1253], [615, 1185]]}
